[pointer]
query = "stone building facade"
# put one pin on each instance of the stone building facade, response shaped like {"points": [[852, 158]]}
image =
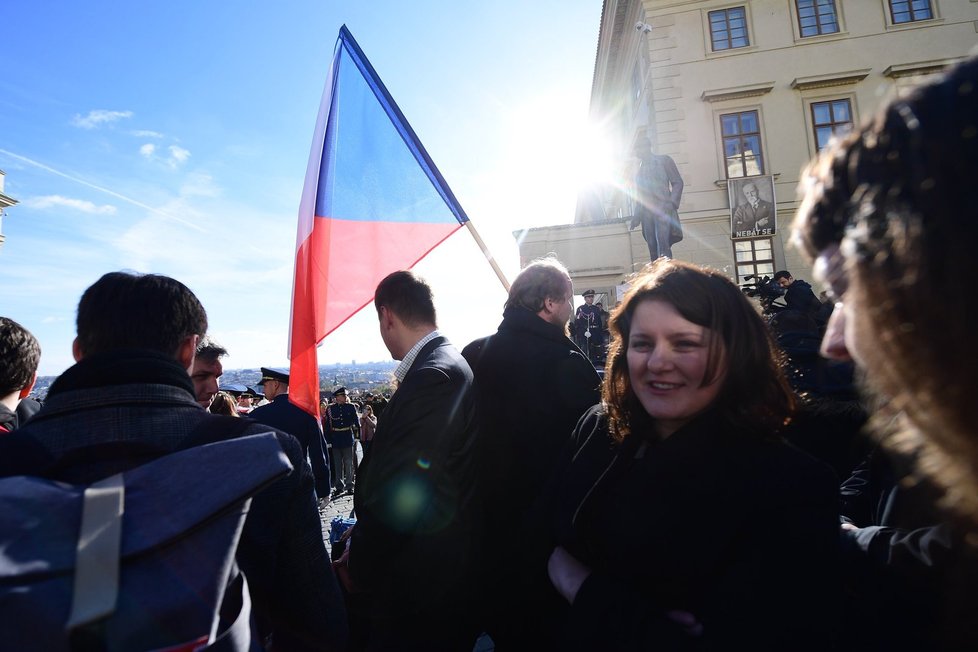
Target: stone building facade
{"points": [[739, 93]]}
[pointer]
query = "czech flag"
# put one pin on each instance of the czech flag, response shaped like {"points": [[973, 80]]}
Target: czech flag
{"points": [[373, 203]]}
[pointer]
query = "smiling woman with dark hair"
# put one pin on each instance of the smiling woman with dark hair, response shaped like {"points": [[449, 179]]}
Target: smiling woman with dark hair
{"points": [[680, 514]]}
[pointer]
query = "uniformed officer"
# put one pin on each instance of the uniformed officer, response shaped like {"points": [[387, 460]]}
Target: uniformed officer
{"points": [[281, 414], [338, 424], [588, 327]]}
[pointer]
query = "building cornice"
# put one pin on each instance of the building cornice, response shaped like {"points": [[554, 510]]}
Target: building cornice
{"points": [[919, 67], [5, 201], [737, 92], [830, 79]]}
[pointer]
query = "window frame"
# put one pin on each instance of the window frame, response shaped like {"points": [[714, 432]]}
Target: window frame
{"points": [[832, 123], [892, 11], [818, 23], [936, 16], [726, 18], [753, 261], [825, 95], [722, 140]]}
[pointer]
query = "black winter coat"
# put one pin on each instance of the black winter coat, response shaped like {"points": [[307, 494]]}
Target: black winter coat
{"points": [[740, 532], [533, 385]]}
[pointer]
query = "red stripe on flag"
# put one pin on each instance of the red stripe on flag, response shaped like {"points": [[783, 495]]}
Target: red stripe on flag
{"points": [[337, 270]]}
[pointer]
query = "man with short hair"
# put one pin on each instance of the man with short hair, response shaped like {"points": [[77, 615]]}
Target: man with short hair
{"points": [[207, 371], [20, 355], [338, 424], [414, 550], [131, 390], [798, 294], [529, 355], [280, 413]]}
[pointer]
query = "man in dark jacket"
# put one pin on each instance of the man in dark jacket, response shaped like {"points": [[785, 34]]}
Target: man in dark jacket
{"points": [[129, 399], [414, 551], [281, 414], [530, 355], [798, 293]]}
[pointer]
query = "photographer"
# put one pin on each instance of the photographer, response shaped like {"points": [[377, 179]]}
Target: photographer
{"points": [[798, 293]]}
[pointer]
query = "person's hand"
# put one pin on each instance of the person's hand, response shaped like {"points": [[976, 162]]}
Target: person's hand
{"points": [[849, 527], [763, 222], [342, 565], [567, 574]]}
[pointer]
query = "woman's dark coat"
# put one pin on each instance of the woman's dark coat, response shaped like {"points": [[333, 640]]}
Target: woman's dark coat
{"points": [[741, 533]]}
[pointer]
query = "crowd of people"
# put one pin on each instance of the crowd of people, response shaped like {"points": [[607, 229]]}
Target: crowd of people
{"points": [[699, 496]]}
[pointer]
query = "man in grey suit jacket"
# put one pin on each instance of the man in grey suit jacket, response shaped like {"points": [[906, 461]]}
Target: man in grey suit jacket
{"points": [[413, 552]]}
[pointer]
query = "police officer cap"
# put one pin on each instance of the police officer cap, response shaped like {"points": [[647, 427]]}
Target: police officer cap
{"points": [[234, 390], [274, 373], [340, 391], [588, 293]]}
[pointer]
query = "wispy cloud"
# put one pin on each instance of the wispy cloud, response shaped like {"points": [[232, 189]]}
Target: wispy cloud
{"points": [[147, 150], [99, 117], [146, 133], [57, 201], [111, 193], [178, 156]]}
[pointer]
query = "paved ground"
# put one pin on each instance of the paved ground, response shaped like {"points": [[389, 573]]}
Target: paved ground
{"points": [[341, 506]]}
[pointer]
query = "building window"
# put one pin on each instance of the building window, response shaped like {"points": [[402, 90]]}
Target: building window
{"points": [[728, 28], [832, 118], [754, 257], [742, 144], [908, 11], [816, 17]]}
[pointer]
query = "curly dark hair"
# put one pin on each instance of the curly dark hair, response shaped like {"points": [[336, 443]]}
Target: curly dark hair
{"points": [[898, 198], [755, 397]]}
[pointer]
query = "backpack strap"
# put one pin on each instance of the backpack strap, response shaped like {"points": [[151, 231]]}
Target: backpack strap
{"points": [[96, 585]]}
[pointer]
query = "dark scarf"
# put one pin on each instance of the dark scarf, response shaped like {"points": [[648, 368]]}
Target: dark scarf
{"points": [[123, 367]]}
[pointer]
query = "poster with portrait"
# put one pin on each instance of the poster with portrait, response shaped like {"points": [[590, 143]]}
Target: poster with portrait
{"points": [[753, 209]]}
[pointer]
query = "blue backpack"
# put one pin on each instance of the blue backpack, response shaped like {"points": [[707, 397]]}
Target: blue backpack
{"points": [[141, 560]]}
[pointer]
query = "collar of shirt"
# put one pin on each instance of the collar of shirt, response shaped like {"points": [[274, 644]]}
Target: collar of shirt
{"points": [[408, 360]]}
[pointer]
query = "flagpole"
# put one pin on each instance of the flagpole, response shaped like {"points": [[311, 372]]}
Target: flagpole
{"points": [[488, 255]]}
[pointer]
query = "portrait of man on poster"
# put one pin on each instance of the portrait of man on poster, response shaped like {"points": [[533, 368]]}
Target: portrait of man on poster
{"points": [[753, 210]]}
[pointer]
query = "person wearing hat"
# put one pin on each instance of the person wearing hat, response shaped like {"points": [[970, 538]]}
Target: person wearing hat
{"points": [[280, 413], [245, 399], [338, 424], [587, 322]]}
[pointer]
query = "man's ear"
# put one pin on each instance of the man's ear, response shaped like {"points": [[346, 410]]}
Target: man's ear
{"points": [[76, 350], [386, 318], [24, 393], [187, 351]]}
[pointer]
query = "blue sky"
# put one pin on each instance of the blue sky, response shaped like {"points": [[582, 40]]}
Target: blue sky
{"points": [[173, 138]]}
